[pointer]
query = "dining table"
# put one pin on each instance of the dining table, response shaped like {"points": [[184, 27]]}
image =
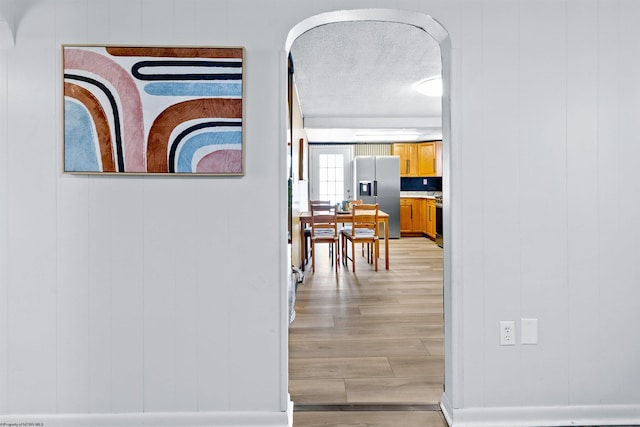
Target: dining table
{"points": [[345, 217]]}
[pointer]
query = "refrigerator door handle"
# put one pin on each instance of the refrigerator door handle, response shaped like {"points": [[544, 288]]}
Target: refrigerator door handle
{"points": [[375, 188]]}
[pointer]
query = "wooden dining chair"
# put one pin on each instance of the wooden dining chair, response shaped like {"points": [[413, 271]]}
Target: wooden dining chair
{"points": [[364, 229], [307, 230], [324, 229], [347, 227]]}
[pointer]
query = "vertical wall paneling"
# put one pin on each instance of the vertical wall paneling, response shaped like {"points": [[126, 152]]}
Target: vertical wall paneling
{"points": [[212, 24], [630, 208], [98, 23], [251, 335], [582, 199], [126, 226], [31, 205], [243, 26], [628, 150], [161, 284], [157, 22], [166, 255], [101, 267], [170, 315], [73, 391], [127, 245], [543, 196], [474, 144], [185, 303], [212, 306], [184, 22], [4, 286], [102, 270], [125, 20], [371, 149], [609, 227], [502, 227], [73, 296]]}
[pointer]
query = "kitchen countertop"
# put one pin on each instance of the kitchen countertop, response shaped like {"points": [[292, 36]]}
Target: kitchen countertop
{"points": [[420, 194]]}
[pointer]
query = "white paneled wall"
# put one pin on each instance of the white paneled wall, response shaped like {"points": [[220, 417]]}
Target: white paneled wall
{"points": [[549, 120], [618, 231], [582, 198], [150, 295], [4, 289]]}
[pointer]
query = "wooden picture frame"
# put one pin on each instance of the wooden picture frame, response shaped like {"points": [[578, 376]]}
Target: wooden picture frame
{"points": [[301, 159]]}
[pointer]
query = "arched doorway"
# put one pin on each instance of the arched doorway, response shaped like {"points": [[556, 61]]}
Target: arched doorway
{"points": [[435, 30]]}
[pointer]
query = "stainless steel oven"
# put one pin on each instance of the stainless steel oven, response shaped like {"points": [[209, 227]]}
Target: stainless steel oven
{"points": [[439, 220]]}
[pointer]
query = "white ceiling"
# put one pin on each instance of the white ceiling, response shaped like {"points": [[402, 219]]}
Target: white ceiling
{"points": [[357, 78]]}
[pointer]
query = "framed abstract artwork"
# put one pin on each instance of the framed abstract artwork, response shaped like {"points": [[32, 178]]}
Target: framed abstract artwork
{"points": [[153, 110]]}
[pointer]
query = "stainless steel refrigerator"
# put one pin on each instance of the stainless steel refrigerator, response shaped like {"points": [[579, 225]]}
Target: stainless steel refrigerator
{"points": [[377, 180]]}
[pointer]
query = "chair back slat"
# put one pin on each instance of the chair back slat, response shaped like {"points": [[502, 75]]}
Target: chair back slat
{"points": [[365, 219], [324, 224], [318, 202]]}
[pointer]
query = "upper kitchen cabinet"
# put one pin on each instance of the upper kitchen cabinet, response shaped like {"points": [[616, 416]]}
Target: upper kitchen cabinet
{"points": [[408, 158], [422, 159], [430, 158]]}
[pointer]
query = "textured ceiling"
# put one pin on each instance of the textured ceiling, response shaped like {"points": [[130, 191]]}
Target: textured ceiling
{"points": [[361, 75]]}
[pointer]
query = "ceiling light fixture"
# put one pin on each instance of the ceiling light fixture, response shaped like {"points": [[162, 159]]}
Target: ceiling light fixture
{"points": [[430, 87]]}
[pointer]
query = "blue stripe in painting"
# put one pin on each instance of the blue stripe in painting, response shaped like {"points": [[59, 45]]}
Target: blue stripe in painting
{"points": [[191, 145], [79, 140], [114, 109], [194, 89]]}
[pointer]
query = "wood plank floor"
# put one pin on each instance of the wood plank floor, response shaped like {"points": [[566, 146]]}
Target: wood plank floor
{"points": [[370, 337], [369, 419]]}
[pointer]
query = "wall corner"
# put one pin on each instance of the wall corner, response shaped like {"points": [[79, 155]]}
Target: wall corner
{"points": [[7, 27]]}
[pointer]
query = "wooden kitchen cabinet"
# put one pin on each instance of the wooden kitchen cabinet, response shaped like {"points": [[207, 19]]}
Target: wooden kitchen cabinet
{"points": [[419, 159], [408, 159], [418, 217], [406, 216], [416, 225], [430, 158], [431, 218], [412, 216]]}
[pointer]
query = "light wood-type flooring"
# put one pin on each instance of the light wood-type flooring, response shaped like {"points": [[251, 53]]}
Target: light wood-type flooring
{"points": [[368, 338], [369, 419]]}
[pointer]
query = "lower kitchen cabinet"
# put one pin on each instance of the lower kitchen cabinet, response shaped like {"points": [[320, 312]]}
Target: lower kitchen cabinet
{"points": [[406, 216], [431, 218], [418, 217], [412, 214]]}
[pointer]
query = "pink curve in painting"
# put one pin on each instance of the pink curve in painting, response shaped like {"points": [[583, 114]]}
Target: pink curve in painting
{"points": [[133, 131], [221, 161]]}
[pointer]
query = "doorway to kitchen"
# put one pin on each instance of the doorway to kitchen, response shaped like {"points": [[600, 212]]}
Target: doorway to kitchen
{"points": [[358, 283]]}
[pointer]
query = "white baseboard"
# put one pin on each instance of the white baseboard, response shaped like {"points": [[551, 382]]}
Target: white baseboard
{"points": [[164, 419], [542, 416], [447, 409]]}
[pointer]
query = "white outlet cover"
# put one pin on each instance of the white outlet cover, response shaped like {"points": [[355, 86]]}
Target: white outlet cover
{"points": [[507, 332], [529, 331]]}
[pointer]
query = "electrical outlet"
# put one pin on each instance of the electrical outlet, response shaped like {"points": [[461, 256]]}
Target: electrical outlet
{"points": [[507, 332]]}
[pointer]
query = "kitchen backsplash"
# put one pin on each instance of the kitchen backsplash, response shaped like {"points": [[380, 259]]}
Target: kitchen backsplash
{"points": [[417, 184]]}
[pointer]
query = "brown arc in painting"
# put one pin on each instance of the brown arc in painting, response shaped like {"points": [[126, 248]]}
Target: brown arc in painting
{"points": [[100, 121], [166, 122], [176, 52]]}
